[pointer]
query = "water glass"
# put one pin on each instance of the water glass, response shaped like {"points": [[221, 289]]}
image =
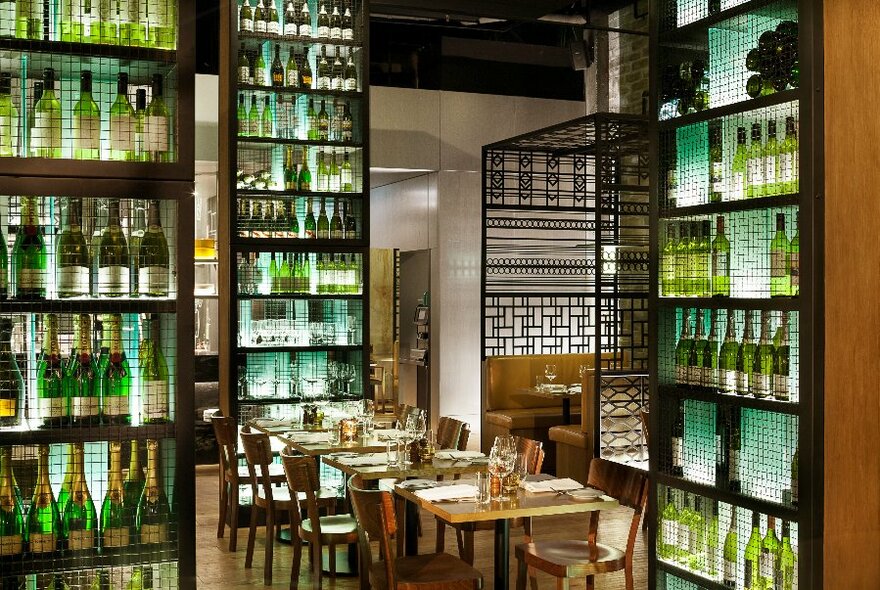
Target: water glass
{"points": [[484, 488], [333, 432], [391, 453]]}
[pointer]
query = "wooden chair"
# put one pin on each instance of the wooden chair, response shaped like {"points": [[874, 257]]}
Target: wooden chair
{"points": [[451, 434], [273, 500], [584, 559], [231, 476], [318, 531], [464, 532], [374, 511]]}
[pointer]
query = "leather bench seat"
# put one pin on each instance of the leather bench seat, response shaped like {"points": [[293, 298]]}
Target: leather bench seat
{"points": [[574, 449], [571, 434], [527, 418]]}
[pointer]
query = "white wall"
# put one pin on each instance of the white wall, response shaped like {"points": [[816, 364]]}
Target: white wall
{"points": [[443, 133]]}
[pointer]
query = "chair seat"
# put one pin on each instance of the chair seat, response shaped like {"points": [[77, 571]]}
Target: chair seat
{"points": [[570, 558], [572, 435], [434, 571], [276, 473], [281, 496], [526, 418], [338, 529]]}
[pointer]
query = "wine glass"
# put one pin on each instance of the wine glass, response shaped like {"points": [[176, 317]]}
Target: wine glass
{"points": [[369, 411], [550, 373], [421, 426], [501, 463], [408, 434]]}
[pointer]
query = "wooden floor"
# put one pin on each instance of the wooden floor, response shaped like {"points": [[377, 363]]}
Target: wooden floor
{"points": [[216, 566]]}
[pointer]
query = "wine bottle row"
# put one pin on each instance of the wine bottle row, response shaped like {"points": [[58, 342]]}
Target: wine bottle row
{"points": [[135, 511], [111, 266], [774, 61], [125, 134], [297, 74], [739, 450], [746, 367], [91, 386], [757, 169], [694, 264], [300, 273], [133, 23], [274, 218], [138, 577], [284, 121], [301, 376], [691, 536], [296, 21]]}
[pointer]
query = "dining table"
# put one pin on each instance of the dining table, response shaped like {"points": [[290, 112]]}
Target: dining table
{"points": [[555, 392], [523, 504]]}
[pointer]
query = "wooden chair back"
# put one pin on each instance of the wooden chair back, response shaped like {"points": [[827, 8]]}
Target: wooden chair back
{"points": [[374, 512], [405, 410], [645, 416], [450, 433], [226, 433], [302, 476], [258, 454], [463, 438], [626, 484], [533, 451]]}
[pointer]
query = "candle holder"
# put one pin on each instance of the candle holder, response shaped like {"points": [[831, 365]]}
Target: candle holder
{"points": [[349, 430]]}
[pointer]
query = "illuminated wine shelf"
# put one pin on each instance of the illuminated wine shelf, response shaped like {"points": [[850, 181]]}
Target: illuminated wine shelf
{"points": [[742, 401], [693, 34], [748, 502], [314, 92], [769, 303], [702, 582], [65, 561], [297, 40], [309, 296], [121, 305], [88, 50], [777, 98], [731, 206], [293, 193], [15, 436], [274, 141]]}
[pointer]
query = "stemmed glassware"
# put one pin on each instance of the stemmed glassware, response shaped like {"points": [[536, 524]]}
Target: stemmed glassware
{"points": [[502, 460], [550, 373]]}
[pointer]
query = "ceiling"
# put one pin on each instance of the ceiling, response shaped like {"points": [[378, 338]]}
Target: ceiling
{"points": [[462, 9]]}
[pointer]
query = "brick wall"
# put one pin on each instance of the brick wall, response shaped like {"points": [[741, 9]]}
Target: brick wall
{"points": [[627, 61]]}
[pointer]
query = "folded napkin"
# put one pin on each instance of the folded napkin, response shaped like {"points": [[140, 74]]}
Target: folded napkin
{"points": [[364, 460], [385, 433], [309, 437], [552, 485], [451, 492], [453, 454], [272, 423]]}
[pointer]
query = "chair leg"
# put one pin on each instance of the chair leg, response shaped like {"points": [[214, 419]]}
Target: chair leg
{"points": [[562, 584], [440, 544], [270, 546], [252, 533], [297, 560], [315, 545], [224, 505], [521, 572], [468, 538], [233, 517], [331, 559]]}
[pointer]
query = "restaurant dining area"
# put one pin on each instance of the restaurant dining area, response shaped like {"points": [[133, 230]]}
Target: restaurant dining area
{"points": [[439, 295]]}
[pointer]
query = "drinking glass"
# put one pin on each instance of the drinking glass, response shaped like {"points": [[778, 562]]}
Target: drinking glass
{"points": [[369, 412], [582, 371], [550, 373], [500, 465]]}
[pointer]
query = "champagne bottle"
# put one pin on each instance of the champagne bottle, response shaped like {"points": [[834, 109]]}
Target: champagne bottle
{"points": [[731, 552], [345, 174], [43, 521], [305, 179], [115, 516], [780, 260], [81, 377], [244, 67], [667, 541], [153, 258], [133, 486], [53, 406], [122, 123], [678, 442], [11, 515], [787, 561], [323, 122], [46, 132], [141, 151], [337, 72], [115, 379], [8, 118], [683, 350], [347, 22], [312, 118], [720, 261], [246, 17], [113, 259], [350, 83], [682, 270], [771, 161], [698, 351], [79, 520], [667, 263], [336, 228], [335, 22], [260, 68], [755, 165], [734, 482], [697, 538], [738, 169], [745, 358], [323, 222], [156, 124], [306, 69], [72, 255], [67, 481], [323, 22], [29, 254], [292, 222], [278, 68], [12, 395], [752, 555], [291, 28], [795, 259], [322, 173], [789, 160], [260, 18], [153, 512], [762, 372], [154, 376], [266, 120]]}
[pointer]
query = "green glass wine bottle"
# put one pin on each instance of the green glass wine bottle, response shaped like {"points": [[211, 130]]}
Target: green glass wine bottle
{"points": [[677, 443], [337, 231], [720, 261], [738, 168], [787, 561], [46, 133], [253, 119], [752, 555], [86, 122], [8, 118], [4, 267], [789, 159], [132, 28], [717, 182], [43, 520], [795, 259], [67, 480], [709, 376], [113, 259], [323, 222], [115, 379], [154, 376], [781, 363], [29, 254], [323, 121], [141, 154], [153, 258], [81, 377], [11, 514], [351, 80], [350, 221], [323, 22], [667, 263], [697, 538], [133, 486], [153, 513], [697, 353], [157, 124], [667, 539], [745, 358], [345, 174], [266, 120], [769, 559], [755, 178], [79, 521], [685, 515], [53, 406], [731, 553], [290, 172], [762, 372], [682, 270], [115, 513], [771, 161], [122, 123], [334, 179], [311, 229], [695, 259], [12, 393], [683, 349], [306, 68], [72, 255], [780, 261], [727, 358]]}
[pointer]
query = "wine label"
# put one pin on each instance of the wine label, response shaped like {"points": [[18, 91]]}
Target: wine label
{"points": [[78, 540], [154, 533], [46, 133], [681, 374], [260, 76], [747, 573], [765, 565], [670, 533], [83, 406], [323, 32], [777, 264], [337, 83], [788, 167], [122, 131], [733, 461], [717, 178], [157, 134], [683, 538], [259, 26], [795, 269], [73, 280], [770, 169], [115, 405], [729, 571], [244, 75], [155, 396], [293, 78], [794, 491], [708, 377], [323, 82], [116, 537], [153, 280], [742, 383], [739, 186], [305, 30], [42, 542], [336, 32], [345, 175], [31, 278], [51, 407], [693, 545], [8, 408], [755, 172], [780, 387], [720, 264], [677, 451], [760, 384], [10, 545], [290, 30], [351, 84], [348, 34], [7, 19], [273, 27], [246, 24], [113, 280]]}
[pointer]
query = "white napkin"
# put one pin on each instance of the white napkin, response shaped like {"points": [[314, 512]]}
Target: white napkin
{"points": [[451, 492], [309, 437], [552, 485], [272, 423], [365, 459], [452, 454], [384, 433]]}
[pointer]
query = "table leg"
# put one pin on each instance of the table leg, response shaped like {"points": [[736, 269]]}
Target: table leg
{"points": [[412, 528], [566, 410], [502, 553]]}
